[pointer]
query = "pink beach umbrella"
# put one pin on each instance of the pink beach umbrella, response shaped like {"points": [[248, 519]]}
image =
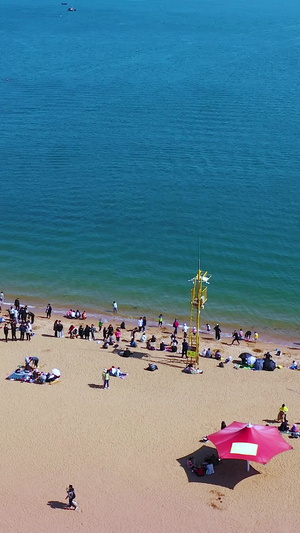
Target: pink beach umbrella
{"points": [[249, 442]]}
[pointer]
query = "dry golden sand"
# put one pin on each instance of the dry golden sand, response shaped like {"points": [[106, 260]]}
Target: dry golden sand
{"points": [[122, 448]]}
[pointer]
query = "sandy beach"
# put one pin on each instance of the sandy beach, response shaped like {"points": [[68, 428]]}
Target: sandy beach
{"points": [[125, 449]]}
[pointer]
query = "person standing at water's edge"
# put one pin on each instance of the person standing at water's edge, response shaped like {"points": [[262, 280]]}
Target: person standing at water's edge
{"points": [[48, 311], [115, 306], [71, 496], [235, 337], [160, 320], [175, 326], [218, 332]]}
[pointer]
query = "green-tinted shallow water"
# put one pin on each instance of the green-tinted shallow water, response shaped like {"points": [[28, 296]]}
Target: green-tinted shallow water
{"points": [[129, 130]]}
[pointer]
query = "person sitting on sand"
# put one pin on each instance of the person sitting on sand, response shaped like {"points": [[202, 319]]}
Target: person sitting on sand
{"points": [[191, 462], [83, 316], [150, 345], [119, 373], [190, 369], [218, 355], [71, 331], [284, 426], [112, 371], [35, 361], [151, 367], [27, 367], [143, 337], [294, 366], [295, 431]]}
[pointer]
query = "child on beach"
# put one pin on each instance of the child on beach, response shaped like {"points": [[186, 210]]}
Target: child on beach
{"points": [[105, 377], [256, 336], [71, 495]]}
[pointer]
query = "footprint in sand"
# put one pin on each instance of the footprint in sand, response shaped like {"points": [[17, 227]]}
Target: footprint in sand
{"points": [[217, 500]]}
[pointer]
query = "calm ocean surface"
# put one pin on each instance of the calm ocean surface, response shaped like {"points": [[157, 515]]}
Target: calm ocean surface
{"points": [[128, 130]]}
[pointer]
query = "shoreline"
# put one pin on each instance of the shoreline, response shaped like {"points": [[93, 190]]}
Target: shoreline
{"points": [[282, 338]]}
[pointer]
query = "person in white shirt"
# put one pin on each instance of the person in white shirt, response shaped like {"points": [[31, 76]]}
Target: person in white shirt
{"points": [[28, 331]]}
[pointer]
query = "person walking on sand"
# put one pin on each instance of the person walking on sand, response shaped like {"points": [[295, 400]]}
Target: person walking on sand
{"points": [[218, 332], [235, 337], [115, 306], [71, 496]]}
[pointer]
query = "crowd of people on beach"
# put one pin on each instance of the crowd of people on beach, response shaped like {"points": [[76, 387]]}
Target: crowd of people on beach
{"points": [[20, 320]]}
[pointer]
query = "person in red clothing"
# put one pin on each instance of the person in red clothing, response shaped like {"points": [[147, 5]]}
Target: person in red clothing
{"points": [[175, 326]]}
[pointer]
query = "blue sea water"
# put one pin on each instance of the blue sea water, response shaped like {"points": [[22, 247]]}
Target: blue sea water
{"points": [[128, 130]]}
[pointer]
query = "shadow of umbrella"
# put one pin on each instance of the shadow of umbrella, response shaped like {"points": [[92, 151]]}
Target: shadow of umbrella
{"points": [[228, 473]]}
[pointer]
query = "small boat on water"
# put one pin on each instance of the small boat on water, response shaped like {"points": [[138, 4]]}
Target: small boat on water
{"points": [[71, 9], [64, 3]]}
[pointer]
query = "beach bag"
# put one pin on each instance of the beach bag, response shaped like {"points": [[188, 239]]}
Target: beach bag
{"points": [[259, 364]]}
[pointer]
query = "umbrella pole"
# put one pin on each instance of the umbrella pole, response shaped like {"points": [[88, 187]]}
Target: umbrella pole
{"points": [[248, 466]]}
